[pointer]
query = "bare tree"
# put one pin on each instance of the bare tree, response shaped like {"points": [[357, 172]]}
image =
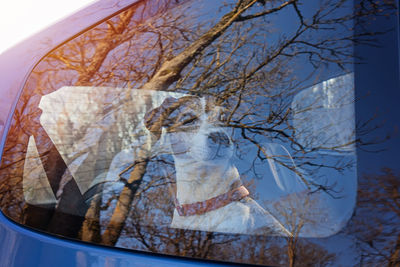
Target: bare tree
{"points": [[376, 224]]}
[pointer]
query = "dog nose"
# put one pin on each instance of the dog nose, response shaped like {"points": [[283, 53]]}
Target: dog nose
{"points": [[218, 138]]}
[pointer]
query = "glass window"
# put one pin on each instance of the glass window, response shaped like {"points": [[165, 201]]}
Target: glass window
{"points": [[194, 128]]}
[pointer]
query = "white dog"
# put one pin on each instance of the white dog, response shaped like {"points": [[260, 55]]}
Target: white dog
{"points": [[209, 192]]}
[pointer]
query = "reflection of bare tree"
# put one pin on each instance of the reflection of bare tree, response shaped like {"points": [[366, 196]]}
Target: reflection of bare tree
{"points": [[228, 58], [375, 225], [155, 206], [302, 212]]}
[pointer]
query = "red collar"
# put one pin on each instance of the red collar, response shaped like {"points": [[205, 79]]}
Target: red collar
{"points": [[214, 203]]}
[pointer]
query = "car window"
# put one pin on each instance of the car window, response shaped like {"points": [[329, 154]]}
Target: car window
{"points": [[195, 128]]}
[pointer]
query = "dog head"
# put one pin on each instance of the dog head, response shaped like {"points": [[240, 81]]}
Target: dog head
{"points": [[193, 127]]}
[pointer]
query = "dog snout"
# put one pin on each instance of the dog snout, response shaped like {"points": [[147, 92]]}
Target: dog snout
{"points": [[218, 138]]}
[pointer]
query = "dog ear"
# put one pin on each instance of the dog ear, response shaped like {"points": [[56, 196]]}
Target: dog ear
{"points": [[155, 119], [160, 117]]}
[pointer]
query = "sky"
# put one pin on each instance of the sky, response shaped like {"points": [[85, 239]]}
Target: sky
{"points": [[20, 19]]}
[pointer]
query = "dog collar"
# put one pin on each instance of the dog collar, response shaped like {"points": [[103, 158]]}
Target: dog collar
{"points": [[214, 203]]}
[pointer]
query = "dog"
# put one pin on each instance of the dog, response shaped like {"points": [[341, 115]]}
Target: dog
{"points": [[209, 194]]}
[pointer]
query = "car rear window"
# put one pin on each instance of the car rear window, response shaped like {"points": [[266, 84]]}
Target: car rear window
{"points": [[240, 131]]}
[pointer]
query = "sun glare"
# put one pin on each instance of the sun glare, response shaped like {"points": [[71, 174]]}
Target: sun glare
{"points": [[22, 18]]}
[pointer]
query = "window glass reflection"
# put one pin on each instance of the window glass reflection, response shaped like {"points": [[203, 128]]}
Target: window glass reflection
{"points": [[196, 128]]}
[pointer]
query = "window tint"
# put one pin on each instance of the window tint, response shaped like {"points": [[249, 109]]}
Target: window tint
{"points": [[197, 128]]}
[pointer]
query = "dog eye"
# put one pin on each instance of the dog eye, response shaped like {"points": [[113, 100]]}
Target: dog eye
{"points": [[189, 120]]}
